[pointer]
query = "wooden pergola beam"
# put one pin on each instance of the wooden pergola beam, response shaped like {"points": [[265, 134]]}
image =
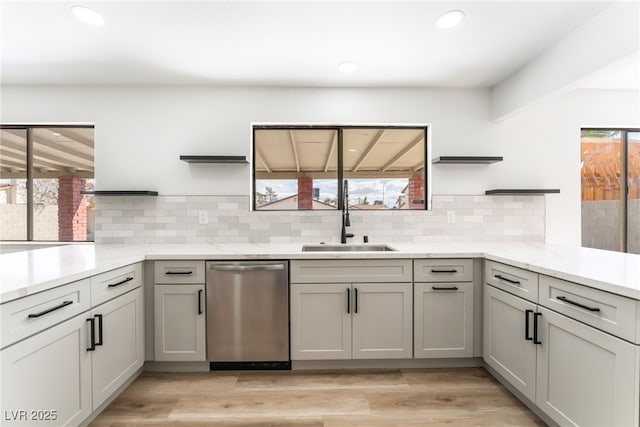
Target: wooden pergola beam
{"points": [[402, 152], [368, 150], [294, 147]]}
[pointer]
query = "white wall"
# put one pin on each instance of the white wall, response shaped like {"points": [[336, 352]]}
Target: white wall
{"points": [[141, 131]]}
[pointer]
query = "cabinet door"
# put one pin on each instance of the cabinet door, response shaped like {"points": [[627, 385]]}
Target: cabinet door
{"points": [[46, 379], [119, 351], [443, 322], [504, 347], [180, 323], [382, 321], [585, 376], [320, 321]]}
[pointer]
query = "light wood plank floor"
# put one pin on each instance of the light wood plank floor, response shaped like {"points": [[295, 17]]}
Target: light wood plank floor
{"points": [[390, 398]]}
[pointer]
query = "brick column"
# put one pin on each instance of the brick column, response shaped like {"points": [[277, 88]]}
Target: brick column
{"points": [[72, 209], [415, 192], [305, 193]]}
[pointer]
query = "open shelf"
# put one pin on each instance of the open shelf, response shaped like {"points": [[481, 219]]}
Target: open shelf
{"points": [[522, 191], [121, 193], [472, 160], [214, 159]]}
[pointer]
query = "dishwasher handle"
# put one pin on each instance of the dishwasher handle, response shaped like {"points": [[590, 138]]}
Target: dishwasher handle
{"points": [[260, 267]]}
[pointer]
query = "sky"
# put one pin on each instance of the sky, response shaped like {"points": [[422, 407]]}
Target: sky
{"points": [[372, 189]]}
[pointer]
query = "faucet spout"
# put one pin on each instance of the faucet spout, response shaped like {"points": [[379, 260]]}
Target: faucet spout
{"points": [[345, 214]]}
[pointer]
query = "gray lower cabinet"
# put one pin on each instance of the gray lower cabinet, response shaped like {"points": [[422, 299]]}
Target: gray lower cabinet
{"points": [[119, 351], [46, 379], [505, 345], [60, 375], [180, 323], [351, 321], [585, 376], [576, 374], [443, 320]]}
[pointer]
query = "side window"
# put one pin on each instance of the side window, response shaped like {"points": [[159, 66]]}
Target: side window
{"points": [[44, 175]]}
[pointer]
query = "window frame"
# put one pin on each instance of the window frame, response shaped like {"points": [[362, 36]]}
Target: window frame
{"points": [[29, 152], [339, 127]]}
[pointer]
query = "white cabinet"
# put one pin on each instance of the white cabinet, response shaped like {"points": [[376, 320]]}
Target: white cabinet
{"points": [[585, 376], [180, 323], [344, 321], [46, 379], [320, 321], [119, 343], [443, 320], [507, 343]]}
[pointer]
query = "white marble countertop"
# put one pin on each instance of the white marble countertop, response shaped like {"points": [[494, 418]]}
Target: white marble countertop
{"points": [[27, 272]]}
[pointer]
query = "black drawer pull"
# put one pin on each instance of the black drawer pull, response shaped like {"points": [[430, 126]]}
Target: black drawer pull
{"points": [[99, 317], [200, 301], [92, 325], [178, 273], [526, 325], [447, 288], [444, 271], [49, 310], [355, 291], [122, 282], [535, 328], [348, 301], [515, 282], [577, 304]]}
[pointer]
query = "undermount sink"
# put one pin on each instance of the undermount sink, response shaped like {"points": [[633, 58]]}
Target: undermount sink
{"points": [[347, 248]]}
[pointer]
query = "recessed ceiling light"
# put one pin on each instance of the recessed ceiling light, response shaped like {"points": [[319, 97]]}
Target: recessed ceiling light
{"points": [[88, 16], [347, 67], [450, 19], [353, 150], [55, 133]]}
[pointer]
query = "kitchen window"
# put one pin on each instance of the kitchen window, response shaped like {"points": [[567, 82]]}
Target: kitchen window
{"points": [[300, 167], [610, 177], [45, 174]]}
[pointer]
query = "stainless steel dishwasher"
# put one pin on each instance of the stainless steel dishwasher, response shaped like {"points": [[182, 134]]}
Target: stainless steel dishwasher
{"points": [[248, 314]]}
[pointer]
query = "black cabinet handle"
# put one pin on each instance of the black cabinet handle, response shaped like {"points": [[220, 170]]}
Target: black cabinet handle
{"points": [[122, 282], [577, 304], [92, 325], [49, 310], [348, 301], [444, 271], [355, 291], [99, 317], [526, 325], [178, 273], [448, 288], [515, 282], [535, 328], [200, 301]]}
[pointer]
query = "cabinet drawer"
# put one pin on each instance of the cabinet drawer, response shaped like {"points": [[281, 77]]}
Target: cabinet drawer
{"points": [[175, 272], [443, 270], [116, 282], [29, 315], [349, 271], [514, 280], [608, 312]]}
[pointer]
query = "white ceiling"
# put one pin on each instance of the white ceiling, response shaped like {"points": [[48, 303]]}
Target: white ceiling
{"points": [[287, 43]]}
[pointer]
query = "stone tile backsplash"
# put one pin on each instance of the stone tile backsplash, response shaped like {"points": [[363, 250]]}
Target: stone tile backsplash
{"points": [[174, 219]]}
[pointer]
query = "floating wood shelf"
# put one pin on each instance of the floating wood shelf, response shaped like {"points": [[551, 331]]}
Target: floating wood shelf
{"points": [[479, 160], [121, 193], [522, 191], [214, 159]]}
